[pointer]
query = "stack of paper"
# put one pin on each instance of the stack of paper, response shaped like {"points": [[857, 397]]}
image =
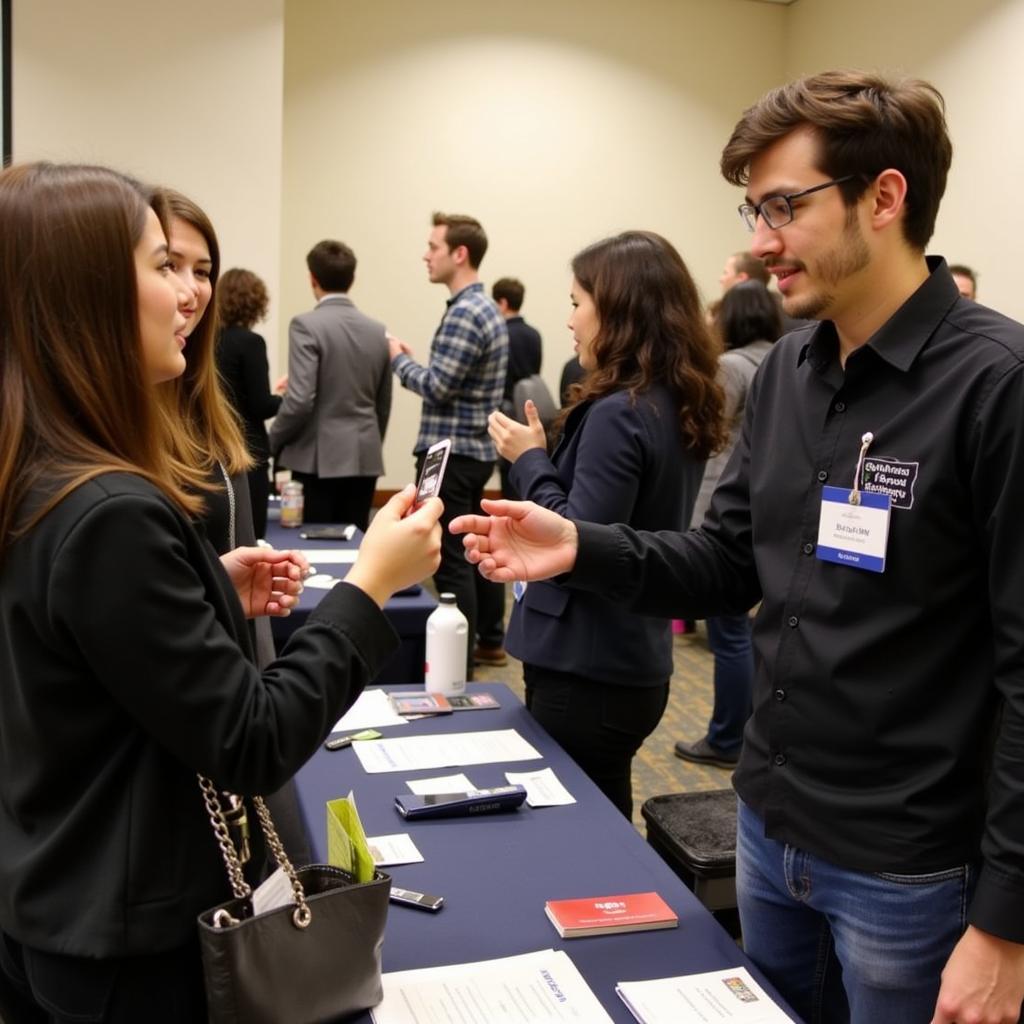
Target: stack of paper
{"points": [[543, 986], [729, 995]]}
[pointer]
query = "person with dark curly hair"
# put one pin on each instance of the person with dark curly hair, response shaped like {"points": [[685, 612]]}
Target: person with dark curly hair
{"points": [[636, 435], [242, 301]]}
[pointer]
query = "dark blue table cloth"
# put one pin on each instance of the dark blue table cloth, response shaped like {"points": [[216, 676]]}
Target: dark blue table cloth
{"points": [[408, 612], [496, 872]]}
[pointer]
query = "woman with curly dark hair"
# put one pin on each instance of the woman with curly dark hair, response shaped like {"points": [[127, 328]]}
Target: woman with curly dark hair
{"points": [[636, 435], [242, 301]]}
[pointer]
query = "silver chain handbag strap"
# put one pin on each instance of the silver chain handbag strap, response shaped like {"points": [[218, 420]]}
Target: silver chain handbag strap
{"points": [[301, 915]]}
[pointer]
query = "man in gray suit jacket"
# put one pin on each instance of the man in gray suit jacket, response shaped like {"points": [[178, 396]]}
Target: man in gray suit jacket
{"points": [[330, 428]]}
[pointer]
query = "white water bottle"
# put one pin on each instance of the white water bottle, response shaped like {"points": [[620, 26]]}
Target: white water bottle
{"points": [[447, 646]]}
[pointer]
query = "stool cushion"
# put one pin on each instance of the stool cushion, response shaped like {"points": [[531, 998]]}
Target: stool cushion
{"points": [[697, 829]]}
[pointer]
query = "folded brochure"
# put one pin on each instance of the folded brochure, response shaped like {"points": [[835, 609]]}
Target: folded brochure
{"points": [[608, 915]]}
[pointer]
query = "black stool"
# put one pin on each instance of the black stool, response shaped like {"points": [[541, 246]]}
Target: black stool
{"points": [[695, 834]]}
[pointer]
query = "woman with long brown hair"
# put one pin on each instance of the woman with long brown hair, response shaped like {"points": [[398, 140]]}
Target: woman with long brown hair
{"points": [[125, 663], [206, 434], [204, 429], [636, 434]]}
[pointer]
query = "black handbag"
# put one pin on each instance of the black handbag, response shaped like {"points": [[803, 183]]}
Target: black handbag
{"points": [[315, 960]]}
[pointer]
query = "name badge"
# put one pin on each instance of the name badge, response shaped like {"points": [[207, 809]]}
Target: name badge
{"points": [[854, 535]]}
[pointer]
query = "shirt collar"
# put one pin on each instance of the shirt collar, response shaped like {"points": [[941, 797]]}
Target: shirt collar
{"points": [[900, 339], [333, 297], [476, 286]]}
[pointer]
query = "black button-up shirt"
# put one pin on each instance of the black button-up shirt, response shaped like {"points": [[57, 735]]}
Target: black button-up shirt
{"points": [[888, 724]]}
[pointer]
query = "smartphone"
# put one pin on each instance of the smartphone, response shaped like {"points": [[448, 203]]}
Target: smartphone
{"points": [[460, 805], [434, 463], [420, 900], [345, 531]]}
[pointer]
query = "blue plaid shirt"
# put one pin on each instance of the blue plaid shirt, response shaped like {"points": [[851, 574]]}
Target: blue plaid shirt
{"points": [[465, 377]]}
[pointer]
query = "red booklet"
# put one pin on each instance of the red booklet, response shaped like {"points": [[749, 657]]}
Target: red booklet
{"points": [[607, 915]]}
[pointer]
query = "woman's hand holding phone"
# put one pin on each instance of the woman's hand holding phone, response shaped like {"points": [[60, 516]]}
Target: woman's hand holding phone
{"points": [[401, 547]]}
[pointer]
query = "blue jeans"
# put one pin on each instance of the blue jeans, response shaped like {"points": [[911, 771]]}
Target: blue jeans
{"points": [[729, 641], [846, 945]]}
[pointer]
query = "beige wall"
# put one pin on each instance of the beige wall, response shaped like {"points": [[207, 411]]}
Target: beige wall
{"points": [[582, 120], [294, 120], [971, 52], [187, 94]]}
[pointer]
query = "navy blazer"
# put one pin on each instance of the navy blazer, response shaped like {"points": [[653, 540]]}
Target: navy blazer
{"points": [[619, 461]]}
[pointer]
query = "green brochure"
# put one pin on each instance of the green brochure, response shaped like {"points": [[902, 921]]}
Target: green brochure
{"points": [[346, 840]]}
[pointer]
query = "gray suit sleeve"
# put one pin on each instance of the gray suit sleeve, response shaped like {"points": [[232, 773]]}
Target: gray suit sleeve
{"points": [[299, 399]]}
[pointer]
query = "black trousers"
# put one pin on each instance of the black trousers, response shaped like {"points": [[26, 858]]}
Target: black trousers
{"points": [[461, 491], [600, 726], [336, 499], [48, 988]]}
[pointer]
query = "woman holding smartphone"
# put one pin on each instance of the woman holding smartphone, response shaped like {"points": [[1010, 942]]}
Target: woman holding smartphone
{"points": [[126, 666], [636, 434]]}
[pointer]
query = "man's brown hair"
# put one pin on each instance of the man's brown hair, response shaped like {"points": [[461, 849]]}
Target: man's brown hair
{"points": [[865, 124], [463, 230], [747, 263], [511, 289]]}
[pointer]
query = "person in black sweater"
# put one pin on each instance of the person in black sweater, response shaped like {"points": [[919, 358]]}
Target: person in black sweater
{"points": [[126, 666], [242, 301]]}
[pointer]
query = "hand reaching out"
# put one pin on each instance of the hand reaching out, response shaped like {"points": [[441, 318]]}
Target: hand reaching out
{"points": [[518, 541]]}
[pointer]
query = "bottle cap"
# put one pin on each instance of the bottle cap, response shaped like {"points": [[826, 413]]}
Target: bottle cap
{"points": [[446, 598]]}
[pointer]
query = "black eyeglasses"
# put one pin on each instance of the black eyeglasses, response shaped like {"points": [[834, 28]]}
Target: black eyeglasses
{"points": [[778, 210]]}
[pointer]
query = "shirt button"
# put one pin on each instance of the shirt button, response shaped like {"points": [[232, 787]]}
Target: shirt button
{"points": [[780, 695], [779, 759], [840, 407], [808, 548], [822, 475], [792, 622]]}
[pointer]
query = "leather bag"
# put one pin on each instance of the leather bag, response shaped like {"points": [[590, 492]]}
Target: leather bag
{"points": [[317, 959]]}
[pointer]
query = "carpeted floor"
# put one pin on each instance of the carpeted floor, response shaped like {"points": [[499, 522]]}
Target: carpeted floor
{"points": [[656, 769]]}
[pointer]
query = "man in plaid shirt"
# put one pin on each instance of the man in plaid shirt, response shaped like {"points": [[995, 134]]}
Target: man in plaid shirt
{"points": [[461, 385]]}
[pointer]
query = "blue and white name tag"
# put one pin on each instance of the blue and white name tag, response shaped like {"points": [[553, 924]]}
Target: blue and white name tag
{"points": [[854, 535]]}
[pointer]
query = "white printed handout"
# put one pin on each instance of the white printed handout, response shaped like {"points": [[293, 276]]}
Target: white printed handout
{"points": [[542, 788], [543, 986], [440, 784], [729, 995], [371, 710], [272, 893], [412, 753], [394, 849]]}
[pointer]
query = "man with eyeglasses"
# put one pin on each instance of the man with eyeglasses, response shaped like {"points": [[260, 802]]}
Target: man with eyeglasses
{"points": [[873, 505]]}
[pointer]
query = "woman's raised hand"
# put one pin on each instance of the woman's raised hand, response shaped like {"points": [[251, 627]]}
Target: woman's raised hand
{"points": [[512, 438], [401, 547]]}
